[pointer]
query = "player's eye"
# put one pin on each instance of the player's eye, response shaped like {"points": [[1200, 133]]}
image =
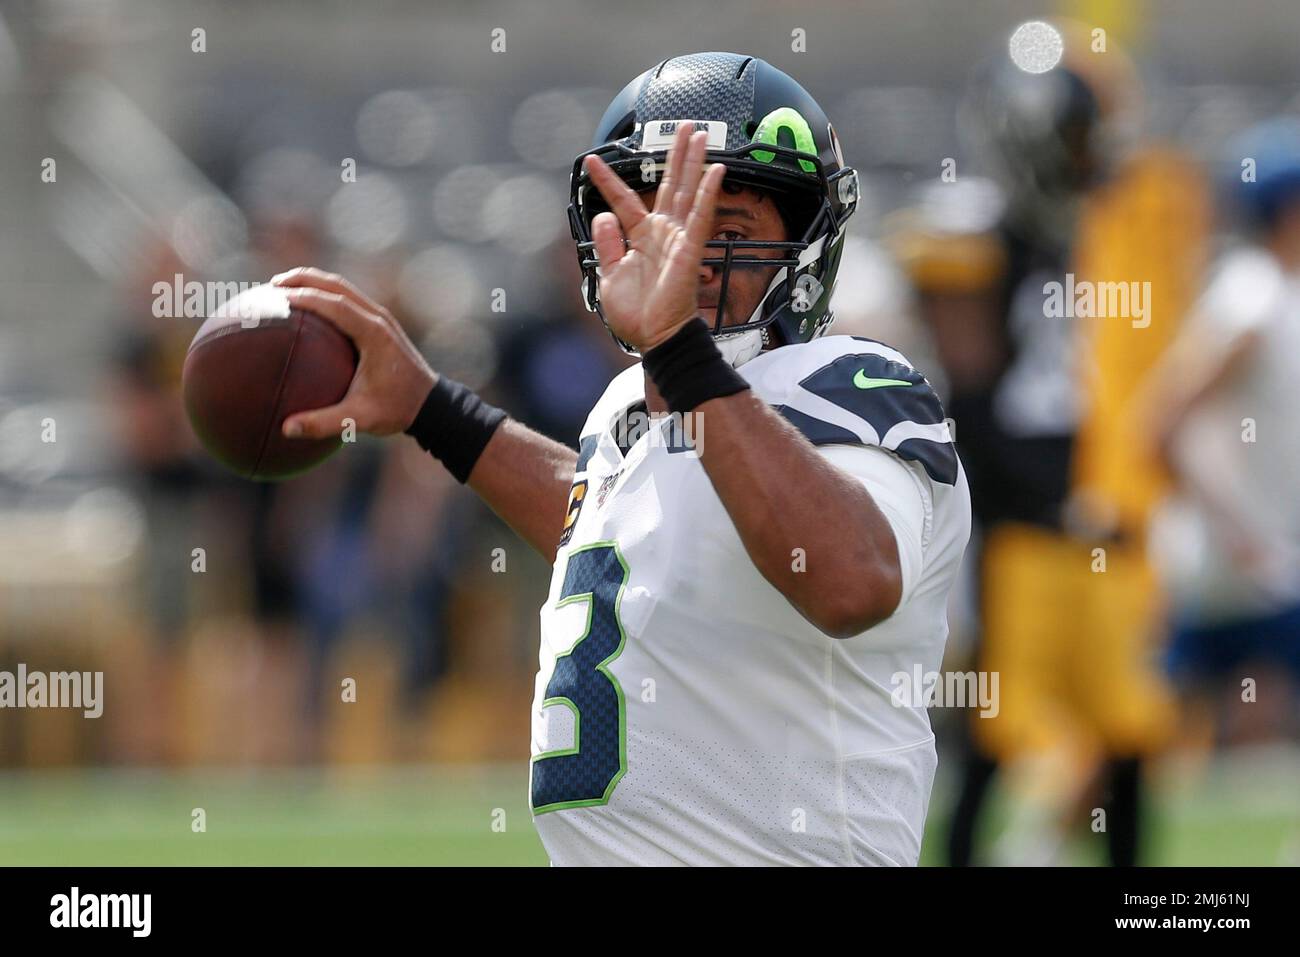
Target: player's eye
{"points": [[730, 236]]}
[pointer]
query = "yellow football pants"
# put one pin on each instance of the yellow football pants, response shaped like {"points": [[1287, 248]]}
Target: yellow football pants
{"points": [[1069, 630]]}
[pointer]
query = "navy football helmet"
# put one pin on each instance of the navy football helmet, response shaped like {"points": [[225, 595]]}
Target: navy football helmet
{"points": [[771, 135]]}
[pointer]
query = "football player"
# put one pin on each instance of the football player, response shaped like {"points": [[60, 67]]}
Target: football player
{"points": [[1230, 550], [761, 525], [1047, 405]]}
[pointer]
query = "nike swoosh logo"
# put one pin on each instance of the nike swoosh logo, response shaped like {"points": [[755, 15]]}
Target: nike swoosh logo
{"points": [[866, 382]]}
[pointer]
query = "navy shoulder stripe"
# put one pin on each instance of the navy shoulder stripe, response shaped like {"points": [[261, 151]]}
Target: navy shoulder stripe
{"points": [[939, 459], [815, 430], [883, 393], [879, 390], [586, 449]]}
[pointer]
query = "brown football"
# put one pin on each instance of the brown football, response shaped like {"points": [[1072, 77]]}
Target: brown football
{"points": [[255, 362]]}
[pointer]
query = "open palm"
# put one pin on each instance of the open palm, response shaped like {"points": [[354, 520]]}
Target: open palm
{"points": [[650, 259]]}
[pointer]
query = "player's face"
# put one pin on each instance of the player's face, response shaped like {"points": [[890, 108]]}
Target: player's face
{"points": [[742, 213]]}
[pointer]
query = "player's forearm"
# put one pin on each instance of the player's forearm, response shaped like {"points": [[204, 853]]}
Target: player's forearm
{"points": [[525, 478], [1188, 378], [812, 531]]}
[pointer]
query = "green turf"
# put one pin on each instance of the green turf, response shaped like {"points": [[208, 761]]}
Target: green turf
{"points": [[385, 816], [1242, 811]]}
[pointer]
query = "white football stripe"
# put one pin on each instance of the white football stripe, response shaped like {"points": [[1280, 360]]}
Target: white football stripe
{"points": [[900, 433], [811, 404]]}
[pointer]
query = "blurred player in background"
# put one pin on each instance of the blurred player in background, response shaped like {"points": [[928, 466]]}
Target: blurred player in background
{"points": [[1230, 537], [1045, 397]]}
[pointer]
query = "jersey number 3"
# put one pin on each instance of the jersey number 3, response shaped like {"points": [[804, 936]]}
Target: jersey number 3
{"points": [[587, 773]]}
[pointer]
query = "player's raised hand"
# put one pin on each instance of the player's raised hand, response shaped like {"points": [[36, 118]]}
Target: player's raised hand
{"points": [[650, 287], [392, 379]]}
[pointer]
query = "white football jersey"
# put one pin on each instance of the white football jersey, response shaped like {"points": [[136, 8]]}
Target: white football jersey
{"points": [[684, 712]]}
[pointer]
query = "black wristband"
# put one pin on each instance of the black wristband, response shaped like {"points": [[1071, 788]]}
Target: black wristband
{"points": [[454, 426], [689, 370]]}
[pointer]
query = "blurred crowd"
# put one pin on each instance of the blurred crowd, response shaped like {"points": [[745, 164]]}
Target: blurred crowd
{"points": [[1136, 574]]}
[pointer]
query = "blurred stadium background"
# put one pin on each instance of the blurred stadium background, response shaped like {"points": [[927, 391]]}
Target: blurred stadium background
{"points": [[222, 687]]}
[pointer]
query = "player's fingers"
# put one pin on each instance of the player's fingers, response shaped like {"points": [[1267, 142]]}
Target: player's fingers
{"points": [[689, 177], [319, 423], [668, 185], [700, 221], [608, 239], [353, 321], [315, 278], [626, 204]]}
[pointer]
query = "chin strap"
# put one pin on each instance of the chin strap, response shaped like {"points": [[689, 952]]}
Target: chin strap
{"points": [[739, 347]]}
